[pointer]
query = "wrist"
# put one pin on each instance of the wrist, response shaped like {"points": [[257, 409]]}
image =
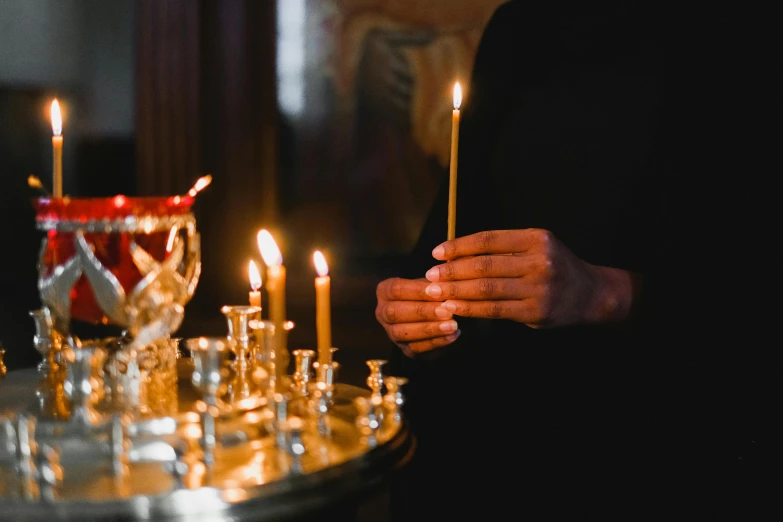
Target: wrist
{"points": [[615, 293]]}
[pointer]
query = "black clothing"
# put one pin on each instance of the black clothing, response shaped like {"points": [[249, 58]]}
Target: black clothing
{"points": [[565, 128]]}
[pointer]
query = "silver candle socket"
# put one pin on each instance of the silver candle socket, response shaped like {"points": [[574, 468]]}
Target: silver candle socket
{"points": [[118, 439], [327, 373], [262, 351], [239, 337], [209, 356], [24, 444], [302, 369], [320, 401], [48, 473], [46, 338], [269, 355], [178, 467], [208, 415], [292, 428], [394, 399], [375, 379], [279, 404], [7, 439], [84, 364], [175, 343], [368, 418], [239, 331]]}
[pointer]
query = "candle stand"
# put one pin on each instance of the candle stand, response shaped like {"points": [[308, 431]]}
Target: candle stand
{"points": [[133, 428]]}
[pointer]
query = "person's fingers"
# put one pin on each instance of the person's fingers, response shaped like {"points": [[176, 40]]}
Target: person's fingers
{"points": [[483, 289], [398, 289], [410, 332], [524, 311], [492, 242], [391, 312], [430, 344], [489, 266]]}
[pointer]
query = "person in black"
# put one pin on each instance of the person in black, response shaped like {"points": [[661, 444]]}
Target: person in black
{"points": [[547, 376]]}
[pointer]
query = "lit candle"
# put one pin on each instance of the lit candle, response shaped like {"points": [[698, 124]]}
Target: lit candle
{"points": [[275, 286], [57, 150], [453, 162], [323, 313], [255, 285]]}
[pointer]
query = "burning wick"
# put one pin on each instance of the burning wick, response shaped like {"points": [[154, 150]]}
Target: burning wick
{"points": [[35, 183]]}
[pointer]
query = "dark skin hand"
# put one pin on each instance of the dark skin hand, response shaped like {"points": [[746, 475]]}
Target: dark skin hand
{"points": [[413, 320], [526, 275]]}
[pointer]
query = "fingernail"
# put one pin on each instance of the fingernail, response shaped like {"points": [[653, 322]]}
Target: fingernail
{"points": [[448, 326], [433, 274], [438, 252], [453, 337], [451, 307], [433, 290], [442, 313]]}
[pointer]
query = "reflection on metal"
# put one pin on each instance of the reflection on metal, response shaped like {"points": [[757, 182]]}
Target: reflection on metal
{"points": [[206, 461], [55, 288]]}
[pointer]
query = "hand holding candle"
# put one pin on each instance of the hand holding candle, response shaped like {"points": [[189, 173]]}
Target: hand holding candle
{"points": [[57, 150], [323, 312], [255, 285], [452, 222]]}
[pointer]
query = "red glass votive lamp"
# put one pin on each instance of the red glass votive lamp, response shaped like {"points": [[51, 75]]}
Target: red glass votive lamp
{"points": [[110, 226]]}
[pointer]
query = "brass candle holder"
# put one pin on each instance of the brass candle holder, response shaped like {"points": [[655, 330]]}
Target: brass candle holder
{"points": [[243, 392]]}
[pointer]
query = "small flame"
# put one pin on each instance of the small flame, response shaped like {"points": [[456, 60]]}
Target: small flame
{"points": [[320, 264], [57, 119], [255, 277], [201, 183], [268, 248], [34, 182], [457, 96]]}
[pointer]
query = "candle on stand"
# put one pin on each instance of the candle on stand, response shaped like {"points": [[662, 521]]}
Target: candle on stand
{"points": [[275, 286], [255, 285], [452, 221], [57, 150], [323, 313]]}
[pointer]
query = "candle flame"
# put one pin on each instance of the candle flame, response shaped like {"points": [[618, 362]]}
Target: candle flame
{"points": [[320, 263], [57, 119], [201, 183], [34, 182], [255, 277], [457, 96], [268, 248]]}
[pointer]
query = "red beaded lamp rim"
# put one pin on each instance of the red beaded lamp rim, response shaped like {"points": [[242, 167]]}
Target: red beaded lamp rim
{"points": [[112, 208]]}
